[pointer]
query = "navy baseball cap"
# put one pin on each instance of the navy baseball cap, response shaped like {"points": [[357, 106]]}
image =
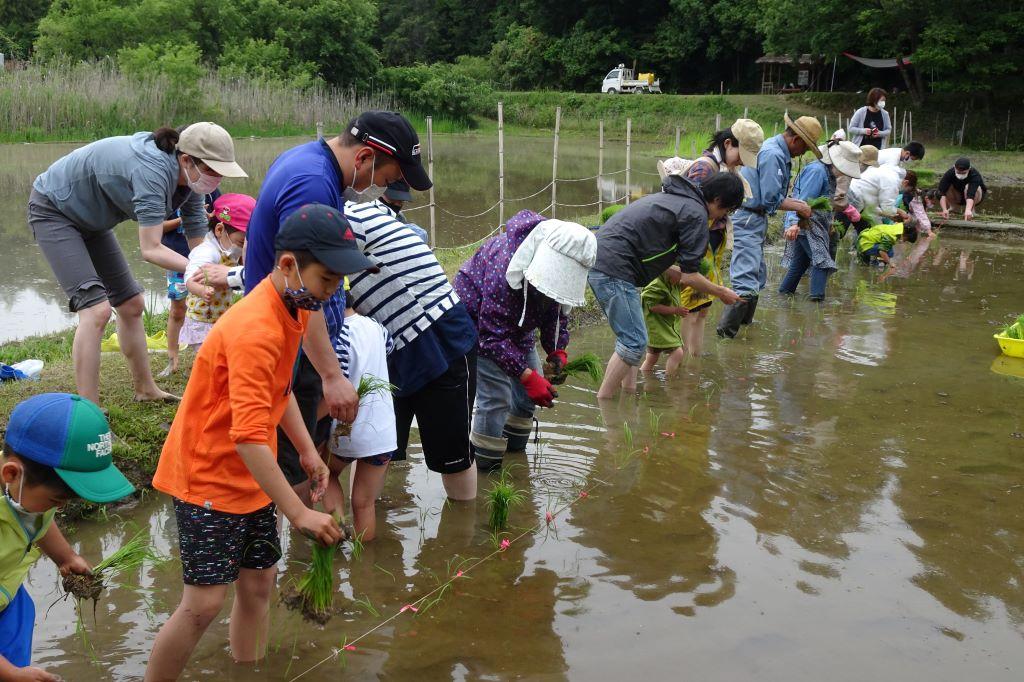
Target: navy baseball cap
{"points": [[70, 434], [398, 191], [391, 133], [323, 231]]}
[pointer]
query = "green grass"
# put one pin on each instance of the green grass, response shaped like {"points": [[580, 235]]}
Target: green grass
{"points": [[140, 428]]}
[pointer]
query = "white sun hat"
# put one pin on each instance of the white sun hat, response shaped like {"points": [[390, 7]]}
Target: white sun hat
{"points": [[845, 156], [673, 166], [555, 259]]}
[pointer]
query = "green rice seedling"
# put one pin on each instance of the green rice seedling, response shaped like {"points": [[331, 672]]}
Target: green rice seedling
{"points": [[501, 498], [705, 266], [385, 571], [367, 606], [820, 204], [131, 556], [433, 601], [627, 435], [609, 211], [358, 546], [588, 364], [315, 590], [368, 385], [654, 422]]}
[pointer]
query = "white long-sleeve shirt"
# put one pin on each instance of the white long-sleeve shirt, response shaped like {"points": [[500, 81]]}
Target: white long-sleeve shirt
{"points": [[877, 188]]}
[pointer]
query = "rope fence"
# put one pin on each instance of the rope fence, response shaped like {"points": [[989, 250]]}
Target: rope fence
{"points": [[413, 607], [552, 186]]}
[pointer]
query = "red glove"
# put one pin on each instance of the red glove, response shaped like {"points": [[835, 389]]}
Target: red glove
{"points": [[539, 389], [852, 213], [561, 358]]}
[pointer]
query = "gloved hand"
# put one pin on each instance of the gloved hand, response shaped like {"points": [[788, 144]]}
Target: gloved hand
{"points": [[554, 367], [539, 389], [852, 213]]}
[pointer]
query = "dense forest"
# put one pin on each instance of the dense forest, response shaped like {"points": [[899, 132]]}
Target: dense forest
{"points": [[693, 45]]}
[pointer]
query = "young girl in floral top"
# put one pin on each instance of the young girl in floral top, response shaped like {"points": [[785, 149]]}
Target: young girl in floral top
{"points": [[223, 244]]}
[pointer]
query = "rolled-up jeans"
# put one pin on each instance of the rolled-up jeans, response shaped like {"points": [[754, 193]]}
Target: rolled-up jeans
{"points": [[620, 302], [747, 270], [799, 263], [501, 402]]}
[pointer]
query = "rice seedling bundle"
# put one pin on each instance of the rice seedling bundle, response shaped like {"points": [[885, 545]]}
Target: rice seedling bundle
{"points": [[129, 557]]}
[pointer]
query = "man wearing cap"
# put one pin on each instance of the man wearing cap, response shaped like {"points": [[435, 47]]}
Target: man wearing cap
{"points": [[394, 198], [961, 185], [376, 149], [75, 205], [769, 183]]}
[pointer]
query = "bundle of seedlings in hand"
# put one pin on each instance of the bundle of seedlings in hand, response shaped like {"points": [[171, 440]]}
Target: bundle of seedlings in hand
{"points": [[588, 364], [368, 385], [820, 204], [316, 588], [131, 556], [501, 498]]}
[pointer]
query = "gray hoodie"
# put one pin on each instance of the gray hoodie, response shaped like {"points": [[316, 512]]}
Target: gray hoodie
{"points": [[121, 178], [642, 240]]}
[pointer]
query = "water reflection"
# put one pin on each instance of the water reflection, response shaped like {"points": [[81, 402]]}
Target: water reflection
{"points": [[839, 490]]}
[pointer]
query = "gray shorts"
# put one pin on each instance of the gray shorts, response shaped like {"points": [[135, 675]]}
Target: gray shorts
{"points": [[90, 266]]}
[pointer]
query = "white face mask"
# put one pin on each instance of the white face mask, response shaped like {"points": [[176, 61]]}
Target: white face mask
{"points": [[204, 184], [29, 519], [961, 176], [881, 104], [231, 250], [371, 193]]}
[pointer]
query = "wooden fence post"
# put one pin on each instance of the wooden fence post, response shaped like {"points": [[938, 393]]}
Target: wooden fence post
{"points": [[629, 149], [554, 164], [430, 171], [501, 164], [600, 168]]}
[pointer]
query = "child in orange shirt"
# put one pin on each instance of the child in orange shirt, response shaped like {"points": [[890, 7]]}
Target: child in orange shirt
{"points": [[219, 462]]}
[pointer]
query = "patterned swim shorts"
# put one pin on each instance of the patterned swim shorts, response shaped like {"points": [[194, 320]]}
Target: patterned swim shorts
{"points": [[176, 290], [215, 545]]}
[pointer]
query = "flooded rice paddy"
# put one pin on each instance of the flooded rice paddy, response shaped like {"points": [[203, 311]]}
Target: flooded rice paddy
{"points": [[837, 495]]}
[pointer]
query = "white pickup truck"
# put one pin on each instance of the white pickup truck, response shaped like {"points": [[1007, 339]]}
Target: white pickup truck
{"points": [[621, 80]]}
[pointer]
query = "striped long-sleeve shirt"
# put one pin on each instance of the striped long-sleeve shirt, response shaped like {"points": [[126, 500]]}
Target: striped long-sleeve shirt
{"points": [[411, 291]]}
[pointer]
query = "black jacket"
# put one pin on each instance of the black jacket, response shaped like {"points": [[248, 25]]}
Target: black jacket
{"points": [[642, 240]]}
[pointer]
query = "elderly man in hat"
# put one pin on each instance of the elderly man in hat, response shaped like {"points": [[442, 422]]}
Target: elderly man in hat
{"points": [[769, 183]]}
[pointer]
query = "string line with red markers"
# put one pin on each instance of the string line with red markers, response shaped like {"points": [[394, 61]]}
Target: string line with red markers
{"points": [[414, 606]]}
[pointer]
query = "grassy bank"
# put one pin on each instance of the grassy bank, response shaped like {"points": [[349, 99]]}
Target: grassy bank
{"points": [[140, 427]]}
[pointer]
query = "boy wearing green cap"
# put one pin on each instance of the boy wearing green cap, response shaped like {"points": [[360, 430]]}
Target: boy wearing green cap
{"points": [[57, 447]]}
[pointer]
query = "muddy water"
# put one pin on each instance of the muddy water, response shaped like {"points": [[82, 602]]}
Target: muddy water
{"points": [[466, 172], [838, 496]]}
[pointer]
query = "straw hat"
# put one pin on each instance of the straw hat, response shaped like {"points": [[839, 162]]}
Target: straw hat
{"points": [[809, 130], [751, 137], [845, 156], [555, 259], [869, 155]]}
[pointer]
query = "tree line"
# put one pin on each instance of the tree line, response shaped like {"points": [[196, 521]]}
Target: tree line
{"points": [[455, 48]]}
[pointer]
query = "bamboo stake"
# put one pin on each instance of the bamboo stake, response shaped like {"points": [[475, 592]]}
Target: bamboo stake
{"points": [[501, 163], [554, 164], [430, 171], [677, 140], [600, 168], [718, 122], [629, 148]]}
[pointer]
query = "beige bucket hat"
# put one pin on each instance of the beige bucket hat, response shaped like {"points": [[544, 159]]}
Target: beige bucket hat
{"points": [[212, 145], [751, 137], [555, 259], [809, 130], [869, 155], [845, 156]]}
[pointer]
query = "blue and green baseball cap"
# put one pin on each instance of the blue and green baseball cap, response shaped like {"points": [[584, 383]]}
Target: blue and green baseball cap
{"points": [[70, 434]]}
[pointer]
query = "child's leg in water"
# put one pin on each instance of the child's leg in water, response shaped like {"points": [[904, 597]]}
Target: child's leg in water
{"points": [[675, 359], [334, 497], [367, 485], [651, 360]]}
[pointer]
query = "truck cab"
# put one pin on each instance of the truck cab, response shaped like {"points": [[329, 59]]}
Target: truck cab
{"points": [[622, 80]]}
